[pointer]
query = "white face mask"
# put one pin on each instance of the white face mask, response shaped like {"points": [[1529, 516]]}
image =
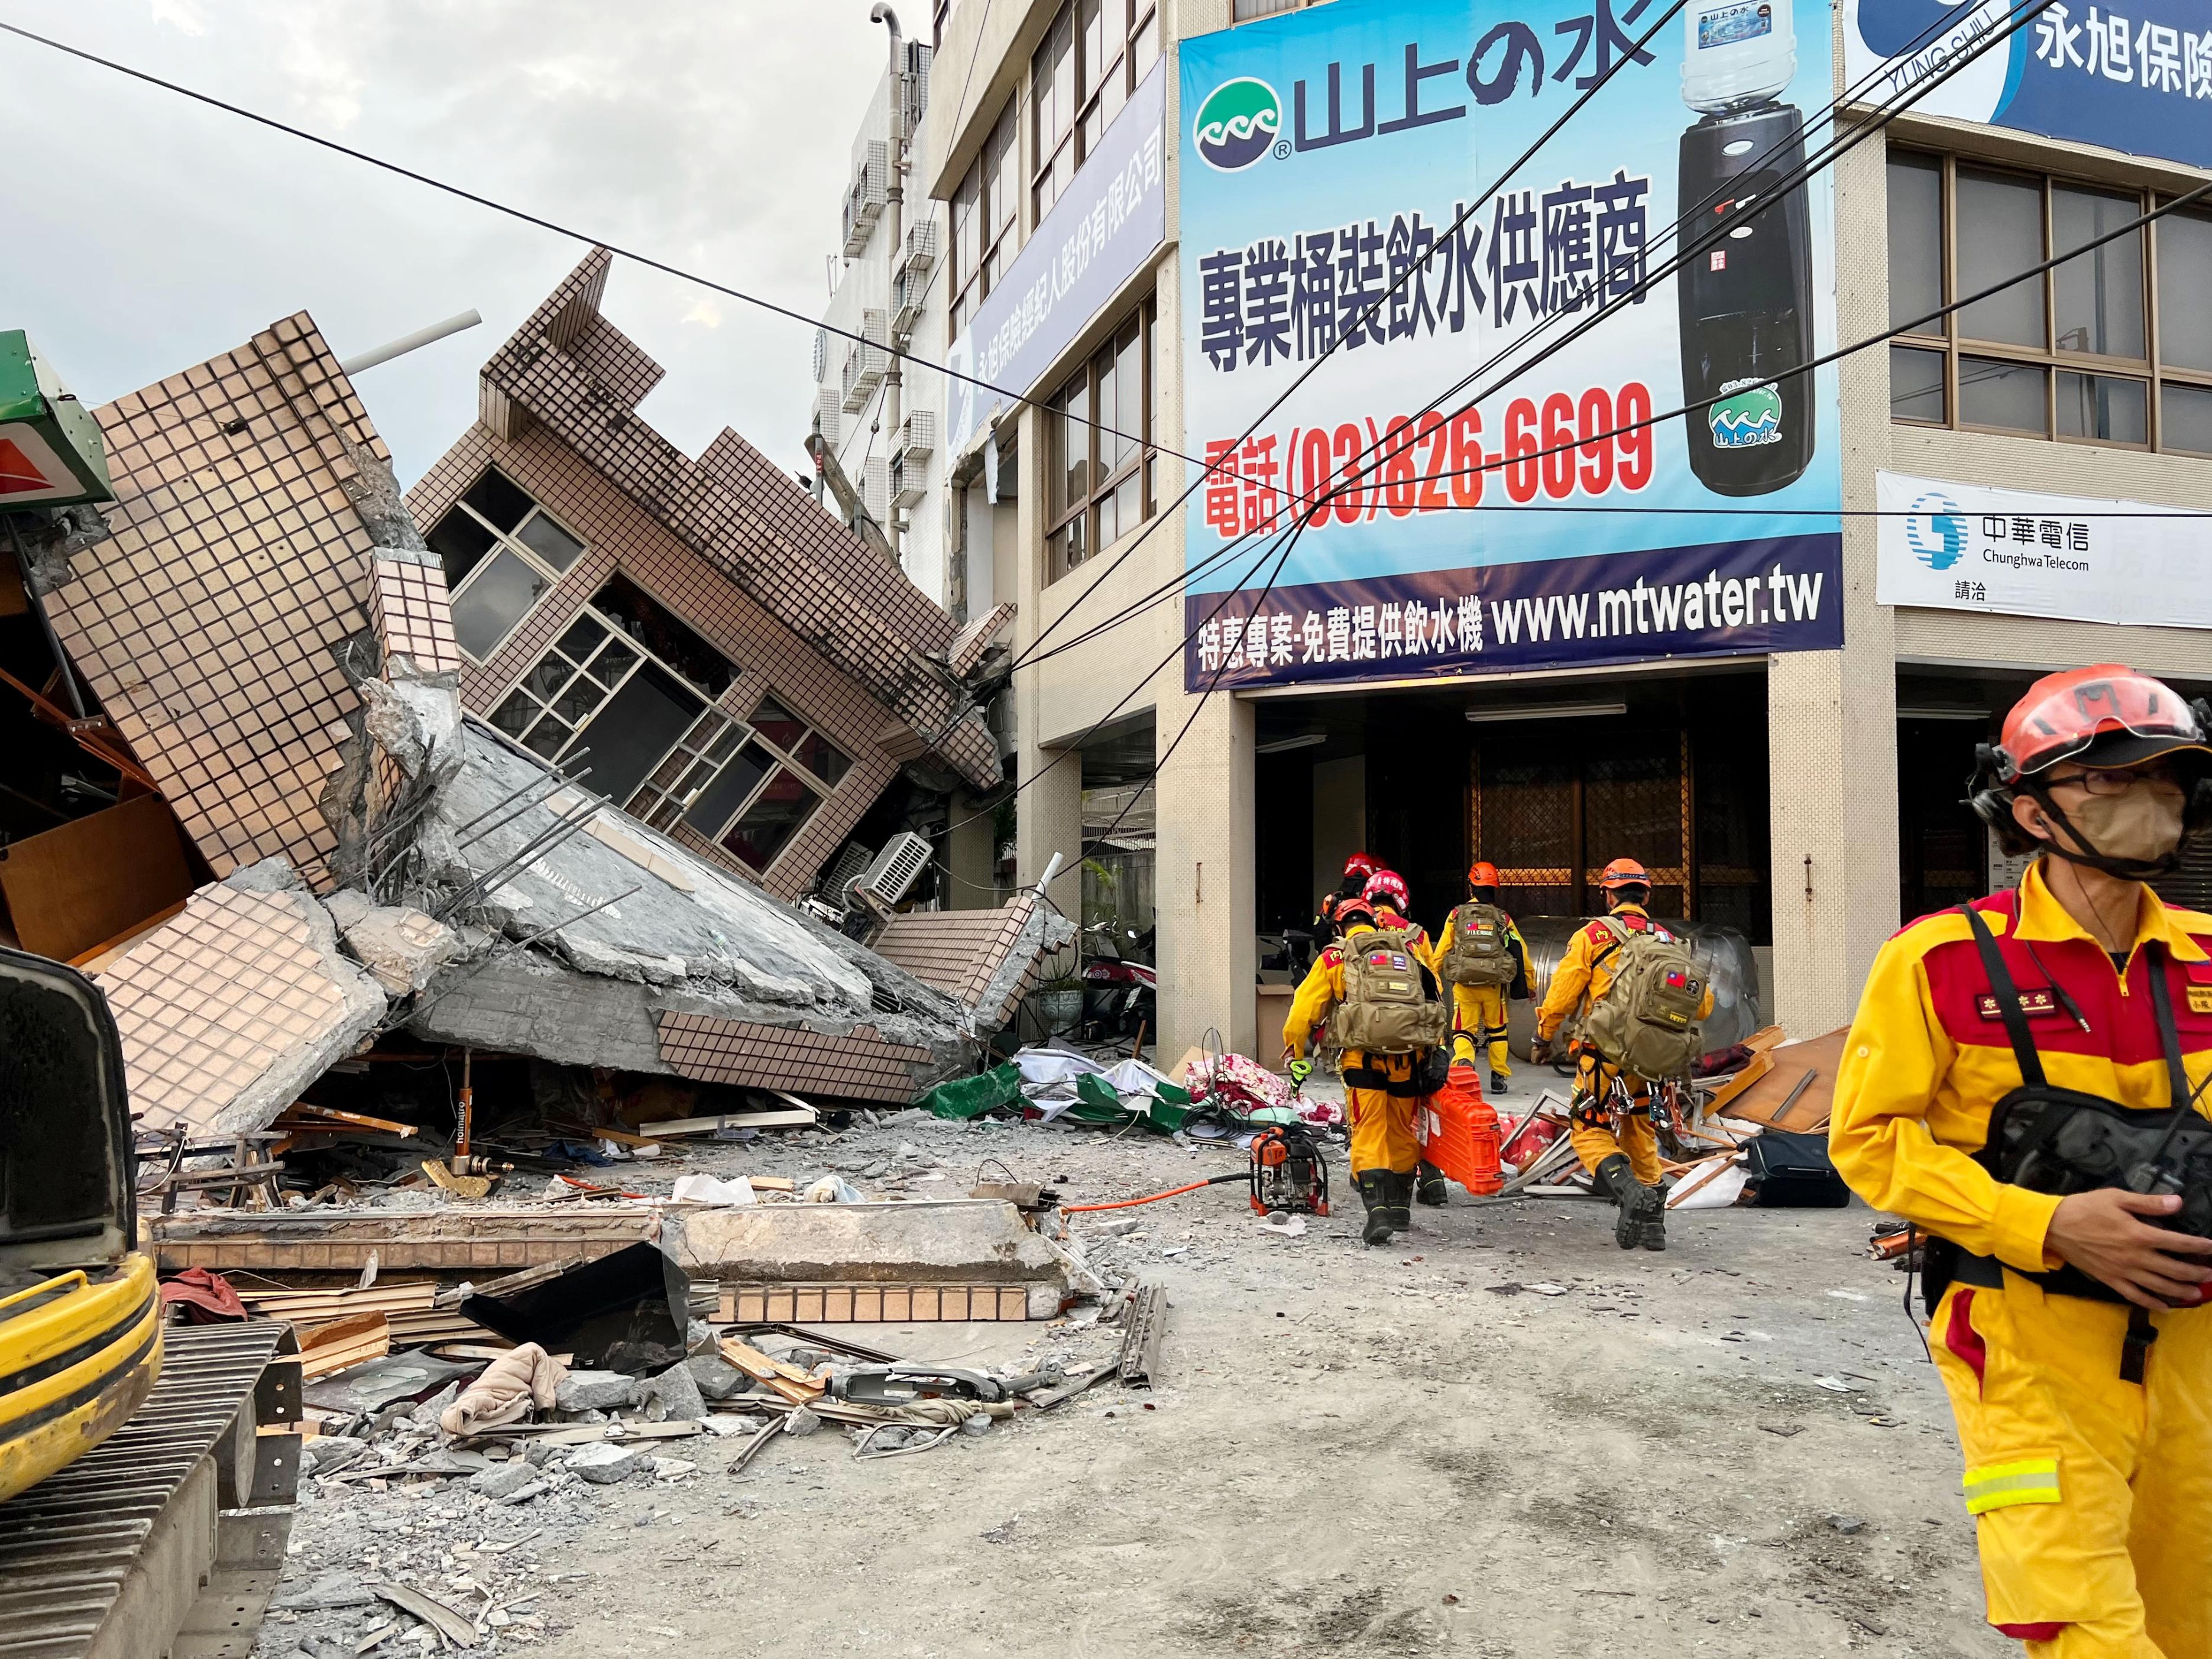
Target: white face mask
{"points": [[2142, 826]]}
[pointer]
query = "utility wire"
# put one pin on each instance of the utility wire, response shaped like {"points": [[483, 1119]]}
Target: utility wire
{"points": [[1306, 508], [1632, 55], [1368, 459]]}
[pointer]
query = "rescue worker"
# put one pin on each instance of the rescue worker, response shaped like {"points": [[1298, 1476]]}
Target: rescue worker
{"points": [[1357, 869], [1621, 1150], [1386, 895], [1479, 1011], [2070, 1336], [1381, 1091]]}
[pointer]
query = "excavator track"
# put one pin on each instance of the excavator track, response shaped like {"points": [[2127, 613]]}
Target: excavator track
{"points": [[167, 1538]]}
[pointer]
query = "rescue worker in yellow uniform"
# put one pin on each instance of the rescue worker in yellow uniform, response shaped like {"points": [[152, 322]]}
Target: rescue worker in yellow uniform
{"points": [[1386, 895], [2066, 1310], [1479, 1011], [1357, 869], [1619, 1148], [1381, 1091]]}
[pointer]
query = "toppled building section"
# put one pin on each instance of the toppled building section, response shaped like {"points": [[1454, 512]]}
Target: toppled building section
{"points": [[267, 631], [229, 1010]]}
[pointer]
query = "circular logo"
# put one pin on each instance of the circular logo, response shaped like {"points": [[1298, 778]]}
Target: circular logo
{"points": [[1935, 532], [1237, 124]]}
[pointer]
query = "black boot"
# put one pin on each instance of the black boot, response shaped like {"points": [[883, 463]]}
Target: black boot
{"points": [[1497, 1081], [1400, 1190], [1430, 1187], [1616, 1178], [1374, 1194], [1651, 1223]]}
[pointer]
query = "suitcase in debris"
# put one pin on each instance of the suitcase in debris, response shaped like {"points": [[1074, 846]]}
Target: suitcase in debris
{"points": [[1793, 1172]]}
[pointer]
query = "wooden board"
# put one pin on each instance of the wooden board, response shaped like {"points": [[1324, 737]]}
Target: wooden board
{"points": [[1763, 1102], [792, 1117], [326, 1350], [870, 1304], [74, 887]]}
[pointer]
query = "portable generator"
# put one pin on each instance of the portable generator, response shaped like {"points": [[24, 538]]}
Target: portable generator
{"points": [[1288, 1171]]}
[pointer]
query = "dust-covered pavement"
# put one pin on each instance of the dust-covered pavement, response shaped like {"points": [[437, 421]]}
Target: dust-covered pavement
{"points": [[1501, 1437]]}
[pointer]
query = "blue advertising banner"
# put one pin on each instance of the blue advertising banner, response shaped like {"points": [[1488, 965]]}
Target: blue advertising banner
{"points": [[2135, 77], [1567, 515], [1102, 233]]}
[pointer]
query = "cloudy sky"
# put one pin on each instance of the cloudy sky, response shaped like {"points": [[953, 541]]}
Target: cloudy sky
{"points": [[146, 233]]}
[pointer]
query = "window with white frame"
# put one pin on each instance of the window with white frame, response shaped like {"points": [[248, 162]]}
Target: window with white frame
{"points": [[749, 786], [502, 551]]}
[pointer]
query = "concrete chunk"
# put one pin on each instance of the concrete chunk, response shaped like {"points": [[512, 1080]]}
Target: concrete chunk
{"points": [[973, 1241], [604, 1462], [673, 1396], [595, 1391]]}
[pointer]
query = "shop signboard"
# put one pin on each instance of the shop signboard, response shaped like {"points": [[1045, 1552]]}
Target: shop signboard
{"points": [[2134, 76], [1951, 546], [1103, 232], [52, 453], [1360, 518]]}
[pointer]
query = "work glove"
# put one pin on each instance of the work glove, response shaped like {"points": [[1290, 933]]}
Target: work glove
{"points": [[1540, 1052]]}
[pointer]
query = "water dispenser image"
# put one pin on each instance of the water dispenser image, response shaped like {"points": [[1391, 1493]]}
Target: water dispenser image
{"points": [[1746, 299]]}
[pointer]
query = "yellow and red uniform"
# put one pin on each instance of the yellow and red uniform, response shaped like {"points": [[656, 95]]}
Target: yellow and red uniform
{"points": [[1479, 1010], [1417, 937], [2092, 1494], [1584, 974], [1380, 1091]]}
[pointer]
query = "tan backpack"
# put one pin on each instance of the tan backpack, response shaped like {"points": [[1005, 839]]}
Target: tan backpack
{"points": [[1387, 1008], [1481, 951], [1646, 1023]]}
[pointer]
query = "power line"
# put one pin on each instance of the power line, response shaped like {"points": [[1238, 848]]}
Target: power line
{"points": [[1632, 55], [1031, 653]]}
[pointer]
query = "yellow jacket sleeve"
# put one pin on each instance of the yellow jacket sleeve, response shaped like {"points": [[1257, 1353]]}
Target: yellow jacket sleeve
{"points": [[1894, 1060], [1569, 981], [1315, 997], [1424, 952], [1445, 939]]}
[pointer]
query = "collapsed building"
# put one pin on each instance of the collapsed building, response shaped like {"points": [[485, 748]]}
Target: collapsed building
{"points": [[546, 784]]}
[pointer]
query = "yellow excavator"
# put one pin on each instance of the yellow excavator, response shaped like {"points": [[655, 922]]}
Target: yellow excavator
{"points": [[79, 1315], [147, 1471]]}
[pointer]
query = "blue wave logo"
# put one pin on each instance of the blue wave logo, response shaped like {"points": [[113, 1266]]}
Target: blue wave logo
{"points": [[1237, 124], [1935, 532]]}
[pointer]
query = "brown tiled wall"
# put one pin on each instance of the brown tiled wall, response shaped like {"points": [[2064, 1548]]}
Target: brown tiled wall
{"points": [[413, 616], [861, 1067], [209, 623], [957, 951], [619, 535]]}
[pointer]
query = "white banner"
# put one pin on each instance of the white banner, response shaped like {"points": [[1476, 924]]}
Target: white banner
{"points": [[1963, 547]]}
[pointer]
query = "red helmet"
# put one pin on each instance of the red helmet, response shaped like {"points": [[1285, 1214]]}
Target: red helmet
{"points": [[2106, 713], [1482, 874], [1624, 873], [1360, 865], [1387, 887]]}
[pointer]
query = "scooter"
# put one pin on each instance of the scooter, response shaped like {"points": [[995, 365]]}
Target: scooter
{"points": [[1121, 996]]}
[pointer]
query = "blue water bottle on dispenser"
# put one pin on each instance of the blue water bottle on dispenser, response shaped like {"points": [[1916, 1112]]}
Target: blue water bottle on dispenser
{"points": [[1746, 297]]}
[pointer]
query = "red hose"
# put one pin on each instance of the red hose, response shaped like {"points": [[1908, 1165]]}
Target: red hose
{"points": [[1172, 1192]]}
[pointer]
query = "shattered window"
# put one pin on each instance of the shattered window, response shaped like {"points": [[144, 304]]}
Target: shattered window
{"points": [[501, 553], [777, 725], [773, 818]]}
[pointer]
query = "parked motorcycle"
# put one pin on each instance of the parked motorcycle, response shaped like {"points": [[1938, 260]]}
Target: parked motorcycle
{"points": [[1120, 991]]}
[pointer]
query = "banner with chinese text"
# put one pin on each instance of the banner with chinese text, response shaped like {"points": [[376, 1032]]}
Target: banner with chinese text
{"points": [[1568, 515], [2135, 77]]}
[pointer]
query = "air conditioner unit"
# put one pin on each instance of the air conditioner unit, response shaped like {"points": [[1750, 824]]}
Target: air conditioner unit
{"points": [[896, 871], [918, 434]]}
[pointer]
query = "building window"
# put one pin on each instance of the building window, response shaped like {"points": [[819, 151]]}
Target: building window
{"points": [[1092, 59], [986, 214], [502, 551], [1102, 467], [2111, 347], [623, 683], [748, 785]]}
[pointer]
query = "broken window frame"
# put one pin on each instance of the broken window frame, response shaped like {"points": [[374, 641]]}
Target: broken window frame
{"points": [[718, 740], [509, 542]]}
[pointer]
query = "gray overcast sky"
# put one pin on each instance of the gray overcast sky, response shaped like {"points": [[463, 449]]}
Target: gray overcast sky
{"points": [[146, 233]]}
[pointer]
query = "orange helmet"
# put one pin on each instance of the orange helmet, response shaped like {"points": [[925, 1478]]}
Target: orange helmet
{"points": [[1624, 873], [1482, 874], [1353, 910], [2105, 713], [1387, 887]]}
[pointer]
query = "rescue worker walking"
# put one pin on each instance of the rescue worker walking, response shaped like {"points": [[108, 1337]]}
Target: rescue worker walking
{"points": [[1483, 958], [1391, 903], [1357, 869], [2064, 1287], [1386, 1018], [1615, 1139]]}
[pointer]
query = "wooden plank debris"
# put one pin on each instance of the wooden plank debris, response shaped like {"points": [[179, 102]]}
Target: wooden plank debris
{"points": [[326, 1350], [1797, 1093], [794, 1117], [785, 1380]]}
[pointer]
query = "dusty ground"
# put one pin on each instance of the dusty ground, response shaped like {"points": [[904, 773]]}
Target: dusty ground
{"points": [[1735, 1448]]}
